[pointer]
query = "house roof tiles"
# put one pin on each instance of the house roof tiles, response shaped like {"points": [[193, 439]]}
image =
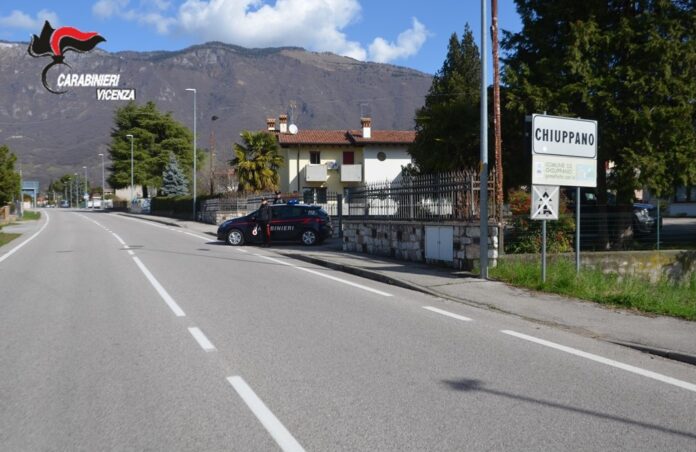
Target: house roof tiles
{"points": [[346, 137]]}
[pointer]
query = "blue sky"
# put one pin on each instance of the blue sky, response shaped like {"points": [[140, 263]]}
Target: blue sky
{"points": [[406, 33]]}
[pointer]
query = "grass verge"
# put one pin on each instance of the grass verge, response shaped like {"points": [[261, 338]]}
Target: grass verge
{"points": [[31, 215], [664, 297], [6, 237]]}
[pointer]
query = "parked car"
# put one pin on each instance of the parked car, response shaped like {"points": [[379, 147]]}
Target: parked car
{"points": [[64, 204], [291, 222], [645, 218]]}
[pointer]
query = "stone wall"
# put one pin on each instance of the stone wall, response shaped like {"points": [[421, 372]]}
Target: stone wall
{"points": [[674, 265], [406, 241]]}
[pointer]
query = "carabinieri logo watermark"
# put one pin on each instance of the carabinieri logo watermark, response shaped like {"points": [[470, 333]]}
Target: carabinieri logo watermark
{"points": [[56, 43]]}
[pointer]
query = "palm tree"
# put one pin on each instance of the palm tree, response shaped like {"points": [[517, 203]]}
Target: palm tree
{"points": [[257, 162]]}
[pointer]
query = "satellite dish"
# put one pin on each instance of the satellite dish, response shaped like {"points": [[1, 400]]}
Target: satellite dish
{"points": [[293, 129]]}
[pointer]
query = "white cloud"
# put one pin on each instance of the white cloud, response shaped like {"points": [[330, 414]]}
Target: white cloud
{"points": [[408, 43], [19, 19], [313, 24], [108, 8]]}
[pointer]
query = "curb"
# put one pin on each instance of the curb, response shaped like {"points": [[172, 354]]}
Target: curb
{"points": [[376, 276], [154, 220]]}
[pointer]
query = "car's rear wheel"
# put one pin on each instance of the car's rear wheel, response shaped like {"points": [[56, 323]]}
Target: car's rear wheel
{"points": [[235, 237], [309, 237]]}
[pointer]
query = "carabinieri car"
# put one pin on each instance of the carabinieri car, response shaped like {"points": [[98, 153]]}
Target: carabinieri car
{"points": [[309, 224]]}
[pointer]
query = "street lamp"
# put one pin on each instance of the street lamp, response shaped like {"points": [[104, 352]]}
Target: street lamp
{"points": [[102, 194], [86, 195], [194, 151], [212, 154], [131, 184], [77, 189]]}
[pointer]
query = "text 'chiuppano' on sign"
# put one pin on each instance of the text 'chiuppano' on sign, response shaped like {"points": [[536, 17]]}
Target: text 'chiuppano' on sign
{"points": [[554, 135]]}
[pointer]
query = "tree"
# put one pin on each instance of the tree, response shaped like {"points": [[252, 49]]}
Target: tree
{"points": [[174, 181], [155, 136], [9, 178], [448, 125], [257, 162], [629, 65]]}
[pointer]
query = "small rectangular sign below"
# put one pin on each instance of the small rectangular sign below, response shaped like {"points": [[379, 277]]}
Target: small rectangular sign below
{"points": [[565, 171], [545, 202]]}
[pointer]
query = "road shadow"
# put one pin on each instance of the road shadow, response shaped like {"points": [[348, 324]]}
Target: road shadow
{"points": [[471, 385]]}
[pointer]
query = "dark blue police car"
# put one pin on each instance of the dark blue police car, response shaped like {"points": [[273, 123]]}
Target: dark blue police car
{"points": [[309, 224]]}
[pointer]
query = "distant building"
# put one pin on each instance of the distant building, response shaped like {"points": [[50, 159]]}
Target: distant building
{"points": [[318, 161], [31, 188]]}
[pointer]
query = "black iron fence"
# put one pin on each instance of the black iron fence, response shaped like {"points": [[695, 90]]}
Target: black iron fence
{"points": [[453, 196]]}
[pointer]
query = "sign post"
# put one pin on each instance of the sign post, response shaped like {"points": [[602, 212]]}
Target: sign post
{"points": [[544, 207], [564, 153]]}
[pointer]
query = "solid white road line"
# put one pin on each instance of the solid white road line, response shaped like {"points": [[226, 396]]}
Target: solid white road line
{"points": [[120, 240], [333, 278], [203, 341], [160, 290], [16, 248], [197, 236], [280, 434], [607, 361], [448, 314]]}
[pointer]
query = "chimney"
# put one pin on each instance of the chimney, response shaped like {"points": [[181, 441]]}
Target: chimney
{"points": [[366, 127], [270, 123], [283, 123]]}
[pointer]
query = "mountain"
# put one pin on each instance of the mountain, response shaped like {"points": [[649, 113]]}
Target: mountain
{"points": [[57, 134]]}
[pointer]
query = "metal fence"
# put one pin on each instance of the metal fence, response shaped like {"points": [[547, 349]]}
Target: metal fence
{"points": [[452, 196], [602, 228]]}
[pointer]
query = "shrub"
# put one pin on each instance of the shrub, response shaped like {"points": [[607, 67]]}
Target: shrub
{"points": [[526, 233]]}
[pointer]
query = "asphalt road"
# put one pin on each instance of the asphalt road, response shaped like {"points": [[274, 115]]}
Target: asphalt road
{"points": [[121, 334]]}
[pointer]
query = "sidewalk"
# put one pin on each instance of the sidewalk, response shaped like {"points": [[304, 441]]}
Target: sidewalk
{"points": [[665, 336]]}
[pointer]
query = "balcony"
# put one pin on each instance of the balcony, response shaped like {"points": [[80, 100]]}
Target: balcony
{"points": [[351, 173], [315, 173]]}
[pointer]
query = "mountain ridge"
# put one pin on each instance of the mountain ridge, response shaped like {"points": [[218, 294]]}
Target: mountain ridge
{"points": [[57, 134]]}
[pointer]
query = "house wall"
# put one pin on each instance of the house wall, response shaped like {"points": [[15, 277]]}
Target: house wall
{"points": [[374, 170], [389, 169], [290, 176]]}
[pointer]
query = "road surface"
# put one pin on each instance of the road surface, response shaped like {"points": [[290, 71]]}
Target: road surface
{"points": [[122, 334]]}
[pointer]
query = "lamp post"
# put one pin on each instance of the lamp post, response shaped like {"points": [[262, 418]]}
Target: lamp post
{"points": [[194, 151], [131, 184], [483, 202], [77, 188], [86, 195], [212, 154], [102, 193]]}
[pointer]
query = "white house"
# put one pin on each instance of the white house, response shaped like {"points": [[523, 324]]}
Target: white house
{"points": [[318, 161]]}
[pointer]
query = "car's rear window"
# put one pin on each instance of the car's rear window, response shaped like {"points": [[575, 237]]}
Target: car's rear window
{"points": [[317, 212]]}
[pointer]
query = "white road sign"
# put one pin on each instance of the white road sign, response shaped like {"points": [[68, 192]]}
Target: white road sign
{"points": [[564, 151], [545, 202], [571, 137]]}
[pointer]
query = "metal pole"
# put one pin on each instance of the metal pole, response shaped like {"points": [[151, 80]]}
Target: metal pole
{"points": [[87, 195], [102, 193], [483, 250], [132, 178], [194, 151], [577, 230], [657, 226], [543, 251]]}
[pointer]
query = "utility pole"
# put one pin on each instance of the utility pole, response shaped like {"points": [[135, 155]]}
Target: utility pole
{"points": [[497, 127], [483, 202]]}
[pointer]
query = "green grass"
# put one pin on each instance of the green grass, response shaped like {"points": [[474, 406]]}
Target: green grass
{"points": [[664, 297], [31, 215], [7, 237]]}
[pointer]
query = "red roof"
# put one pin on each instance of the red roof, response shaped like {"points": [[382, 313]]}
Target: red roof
{"points": [[346, 137]]}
